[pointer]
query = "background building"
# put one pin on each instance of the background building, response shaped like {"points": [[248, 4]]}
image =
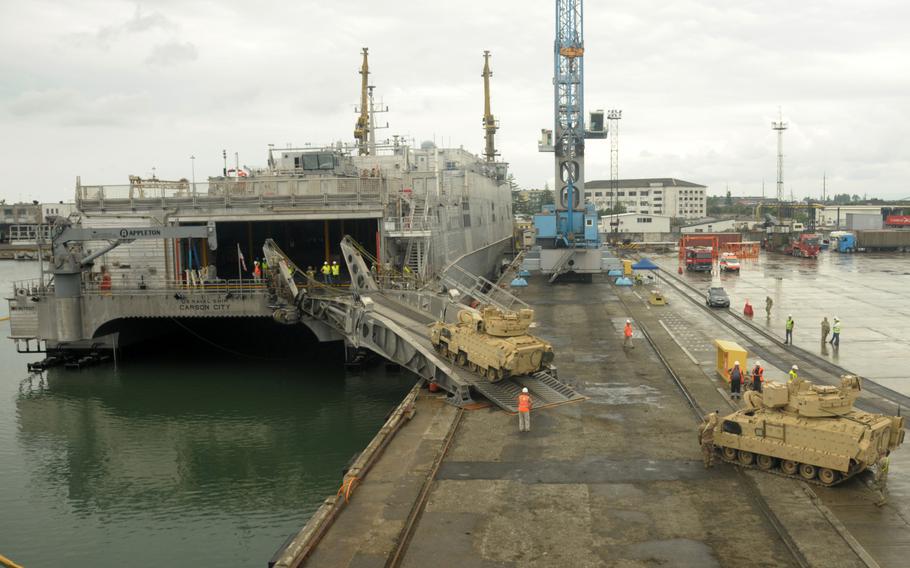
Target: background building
{"points": [[655, 196], [636, 223]]}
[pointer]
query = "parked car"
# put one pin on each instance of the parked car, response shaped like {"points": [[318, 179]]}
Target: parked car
{"points": [[717, 297], [729, 263]]}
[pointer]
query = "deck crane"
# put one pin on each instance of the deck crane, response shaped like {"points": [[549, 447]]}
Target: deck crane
{"points": [[362, 128], [490, 126], [70, 262], [570, 224]]}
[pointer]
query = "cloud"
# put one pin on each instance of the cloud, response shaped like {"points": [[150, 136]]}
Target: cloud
{"points": [[71, 108], [138, 23], [172, 53]]}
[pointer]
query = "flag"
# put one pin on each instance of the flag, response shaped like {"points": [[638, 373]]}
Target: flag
{"points": [[240, 256]]}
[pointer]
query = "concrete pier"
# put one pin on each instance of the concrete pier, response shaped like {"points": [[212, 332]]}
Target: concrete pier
{"points": [[616, 480]]}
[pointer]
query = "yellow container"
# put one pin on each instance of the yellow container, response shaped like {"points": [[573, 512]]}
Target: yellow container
{"points": [[627, 267], [728, 352]]}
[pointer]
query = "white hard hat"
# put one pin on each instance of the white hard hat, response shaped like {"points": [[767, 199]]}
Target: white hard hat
{"points": [[525, 389], [758, 363], [836, 319], [736, 363], [795, 368], [628, 321], [789, 315]]}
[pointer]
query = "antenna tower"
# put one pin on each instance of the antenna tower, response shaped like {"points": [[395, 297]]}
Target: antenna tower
{"points": [[490, 126], [780, 126]]}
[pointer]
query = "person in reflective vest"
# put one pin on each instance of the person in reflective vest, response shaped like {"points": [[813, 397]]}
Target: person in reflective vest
{"points": [[627, 332], [105, 281], [789, 336], [336, 271], [524, 411], [835, 333], [257, 271], [758, 376], [736, 381], [326, 272], [794, 377]]}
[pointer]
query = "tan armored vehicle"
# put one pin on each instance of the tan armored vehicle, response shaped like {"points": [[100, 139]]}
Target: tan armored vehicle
{"points": [[492, 343], [811, 432]]}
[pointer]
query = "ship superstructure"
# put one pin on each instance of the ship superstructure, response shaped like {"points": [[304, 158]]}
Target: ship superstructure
{"points": [[417, 210]]}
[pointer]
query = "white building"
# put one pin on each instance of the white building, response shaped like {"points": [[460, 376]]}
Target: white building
{"points": [[836, 215], [636, 223], [59, 209], [654, 196], [715, 226]]}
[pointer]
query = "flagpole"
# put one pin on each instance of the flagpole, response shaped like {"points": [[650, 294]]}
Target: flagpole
{"points": [[239, 272]]}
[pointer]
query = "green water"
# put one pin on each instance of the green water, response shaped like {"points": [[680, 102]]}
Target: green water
{"points": [[178, 458]]}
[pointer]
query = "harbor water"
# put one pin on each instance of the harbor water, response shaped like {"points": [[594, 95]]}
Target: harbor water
{"points": [[186, 454]]}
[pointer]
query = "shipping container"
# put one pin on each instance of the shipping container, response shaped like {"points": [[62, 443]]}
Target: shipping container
{"points": [[885, 239], [864, 221]]}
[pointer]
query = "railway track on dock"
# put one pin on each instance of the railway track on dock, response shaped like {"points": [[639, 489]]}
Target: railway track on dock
{"points": [[750, 486], [773, 349]]}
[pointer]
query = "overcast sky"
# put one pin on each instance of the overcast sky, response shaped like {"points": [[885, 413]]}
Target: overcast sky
{"points": [[105, 88]]}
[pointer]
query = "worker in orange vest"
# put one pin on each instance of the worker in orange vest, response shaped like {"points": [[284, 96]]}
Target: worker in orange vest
{"points": [[627, 342], [524, 411], [105, 281], [758, 376]]}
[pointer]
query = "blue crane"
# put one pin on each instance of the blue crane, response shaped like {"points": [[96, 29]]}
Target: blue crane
{"points": [[570, 223]]}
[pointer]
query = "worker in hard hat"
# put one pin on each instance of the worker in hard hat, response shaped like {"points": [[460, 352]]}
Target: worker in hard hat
{"points": [[794, 376], [336, 272], [627, 333], [326, 272], [835, 333], [826, 329], [524, 411], [758, 376], [790, 323], [736, 381]]}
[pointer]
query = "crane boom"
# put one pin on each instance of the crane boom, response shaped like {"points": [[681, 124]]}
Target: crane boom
{"points": [[362, 128], [489, 122]]}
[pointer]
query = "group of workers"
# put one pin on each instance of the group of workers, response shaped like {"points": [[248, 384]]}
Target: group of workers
{"points": [[791, 323], [756, 378], [331, 273], [738, 379]]}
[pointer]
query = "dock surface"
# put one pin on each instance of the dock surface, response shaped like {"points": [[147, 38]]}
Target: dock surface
{"points": [[617, 480]]}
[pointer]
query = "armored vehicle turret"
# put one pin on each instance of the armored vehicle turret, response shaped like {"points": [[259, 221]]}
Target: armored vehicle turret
{"points": [[492, 343], [807, 431]]}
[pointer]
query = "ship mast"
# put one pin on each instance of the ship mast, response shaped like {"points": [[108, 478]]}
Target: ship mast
{"points": [[489, 123], [362, 128]]}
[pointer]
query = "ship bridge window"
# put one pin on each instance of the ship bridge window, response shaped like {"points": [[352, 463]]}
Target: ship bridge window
{"points": [[731, 427], [310, 162], [326, 161]]}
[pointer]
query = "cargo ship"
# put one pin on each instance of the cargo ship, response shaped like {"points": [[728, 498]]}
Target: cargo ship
{"points": [[421, 210]]}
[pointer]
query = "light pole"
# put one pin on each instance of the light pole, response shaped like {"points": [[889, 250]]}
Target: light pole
{"points": [[193, 169]]}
